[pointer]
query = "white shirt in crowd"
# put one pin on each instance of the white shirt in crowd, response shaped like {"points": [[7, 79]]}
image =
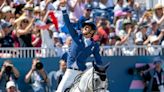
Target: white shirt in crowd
{"points": [[119, 24], [36, 2], [130, 51], [37, 81], [78, 10], [157, 19], [130, 40], [154, 50], [58, 14], [108, 4], [139, 37], [19, 1], [43, 5], [162, 43], [117, 7], [47, 41]]}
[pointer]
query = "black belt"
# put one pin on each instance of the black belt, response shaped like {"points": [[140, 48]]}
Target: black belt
{"points": [[73, 68]]}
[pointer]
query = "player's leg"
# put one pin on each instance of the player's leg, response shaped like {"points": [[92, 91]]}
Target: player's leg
{"points": [[67, 79]]}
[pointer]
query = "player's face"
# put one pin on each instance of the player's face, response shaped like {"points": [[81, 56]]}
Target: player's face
{"points": [[87, 31]]}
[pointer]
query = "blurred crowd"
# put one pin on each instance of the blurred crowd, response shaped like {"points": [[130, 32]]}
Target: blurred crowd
{"points": [[39, 23]]}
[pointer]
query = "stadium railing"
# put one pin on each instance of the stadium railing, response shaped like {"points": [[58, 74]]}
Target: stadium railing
{"points": [[133, 50], [104, 51]]}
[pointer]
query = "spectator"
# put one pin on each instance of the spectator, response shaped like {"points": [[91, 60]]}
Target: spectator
{"points": [[46, 37], [57, 39], [18, 5], [125, 34], [37, 13], [129, 13], [46, 5], [114, 40], [130, 4], [155, 30], [146, 17], [36, 38], [160, 37], [85, 16], [61, 71], [28, 10], [58, 15], [57, 44], [11, 87], [5, 36], [104, 4], [118, 6], [127, 38], [8, 73], [118, 20], [139, 10], [8, 13], [153, 41], [67, 44], [23, 31], [152, 75], [158, 75], [141, 35], [159, 15], [56, 76], [103, 30], [63, 37], [37, 77], [76, 8], [154, 27], [112, 36], [134, 8]]}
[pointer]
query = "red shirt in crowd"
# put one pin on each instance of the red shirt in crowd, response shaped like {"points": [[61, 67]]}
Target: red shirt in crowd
{"points": [[102, 35], [38, 43], [15, 38]]}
